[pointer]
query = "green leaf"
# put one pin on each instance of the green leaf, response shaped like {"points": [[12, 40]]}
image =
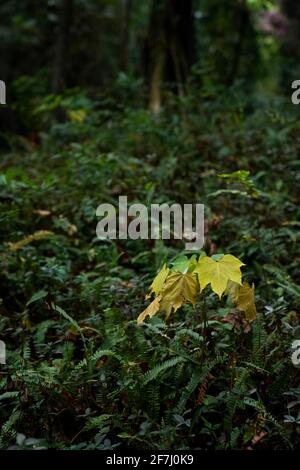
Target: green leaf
{"points": [[37, 296], [184, 264]]}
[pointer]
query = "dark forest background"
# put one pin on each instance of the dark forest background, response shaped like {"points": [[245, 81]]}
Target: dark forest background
{"points": [[147, 48], [185, 101]]}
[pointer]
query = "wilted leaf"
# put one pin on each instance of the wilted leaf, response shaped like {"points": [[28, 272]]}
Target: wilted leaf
{"points": [[218, 273], [258, 437], [243, 297], [150, 311], [237, 320]]}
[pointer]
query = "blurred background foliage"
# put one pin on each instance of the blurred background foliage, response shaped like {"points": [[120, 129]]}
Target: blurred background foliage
{"points": [[131, 45]]}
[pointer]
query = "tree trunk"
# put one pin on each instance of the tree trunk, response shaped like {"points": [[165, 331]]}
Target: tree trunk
{"points": [[63, 30], [157, 53], [244, 21], [171, 47], [125, 36]]}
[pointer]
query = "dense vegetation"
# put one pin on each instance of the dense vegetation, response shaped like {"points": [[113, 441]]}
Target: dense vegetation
{"points": [[80, 372]]}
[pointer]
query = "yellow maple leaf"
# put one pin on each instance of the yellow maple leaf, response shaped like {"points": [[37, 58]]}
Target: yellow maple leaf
{"points": [[243, 297], [218, 273], [179, 288], [150, 311], [158, 281]]}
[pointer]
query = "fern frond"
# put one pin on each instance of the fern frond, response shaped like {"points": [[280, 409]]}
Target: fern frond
{"points": [[157, 370]]}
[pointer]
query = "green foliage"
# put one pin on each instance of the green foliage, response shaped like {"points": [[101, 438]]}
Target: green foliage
{"points": [[80, 372]]}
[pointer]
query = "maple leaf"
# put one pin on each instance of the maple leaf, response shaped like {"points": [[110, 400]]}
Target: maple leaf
{"points": [[179, 288], [218, 273], [243, 297], [150, 311], [174, 290], [158, 281], [184, 264]]}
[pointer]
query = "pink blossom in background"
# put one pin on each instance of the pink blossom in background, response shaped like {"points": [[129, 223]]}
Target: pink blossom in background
{"points": [[273, 22]]}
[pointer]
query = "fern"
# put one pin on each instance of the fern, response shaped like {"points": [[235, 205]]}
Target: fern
{"points": [[7, 395], [41, 330], [198, 376], [26, 350], [71, 320], [192, 334], [231, 406], [157, 370], [234, 435], [193, 383], [8, 432], [95, 357], [242, 377], [153, 400], [259, 406], [259, 337]]}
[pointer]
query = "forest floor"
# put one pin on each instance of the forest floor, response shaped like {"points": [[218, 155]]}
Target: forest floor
{"points": [[80, 372]]}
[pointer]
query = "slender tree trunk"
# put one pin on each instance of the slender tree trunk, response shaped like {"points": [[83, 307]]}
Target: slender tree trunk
{"points": [[63, 30], [157, 53], [242, 31], [156, 84], [182, 36], [171, 44], [125, 36]]}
